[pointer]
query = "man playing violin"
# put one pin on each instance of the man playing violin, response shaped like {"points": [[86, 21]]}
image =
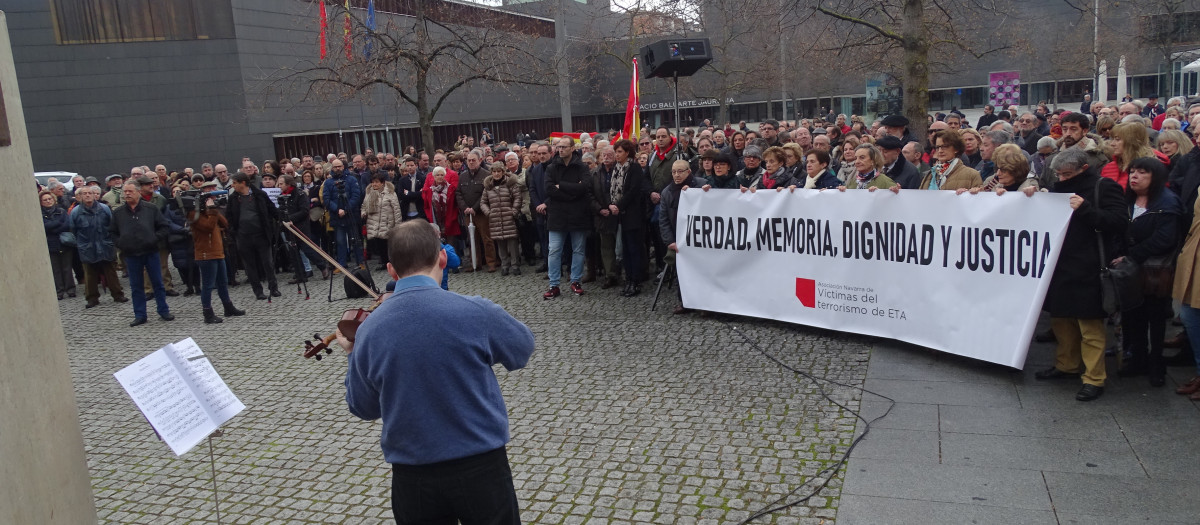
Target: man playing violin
{"points": [[445, 425]]}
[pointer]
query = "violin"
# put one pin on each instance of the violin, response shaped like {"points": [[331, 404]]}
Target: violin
{"points": [[348, 326], [352, 318]]}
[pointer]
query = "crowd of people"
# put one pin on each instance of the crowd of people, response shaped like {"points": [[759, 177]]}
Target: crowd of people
{"points": [[610, 204]]}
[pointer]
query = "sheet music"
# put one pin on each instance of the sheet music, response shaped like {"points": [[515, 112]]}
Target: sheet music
{"points": [[214, 395], [180, 393]]}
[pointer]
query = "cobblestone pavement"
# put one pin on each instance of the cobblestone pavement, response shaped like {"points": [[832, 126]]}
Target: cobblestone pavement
{"points": [[623, 415]]}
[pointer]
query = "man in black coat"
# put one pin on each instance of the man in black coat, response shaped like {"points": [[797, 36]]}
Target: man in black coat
{"points": [[138, 228], [540, 151], [1027, 136], [1074, 299], [895, 166], [252, 219], [568, 214]]}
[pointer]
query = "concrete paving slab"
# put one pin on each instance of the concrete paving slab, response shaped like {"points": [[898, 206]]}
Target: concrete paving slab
{"points": [[1129, 499], [946, 393], [990, 486], [871, 510], [1028, 423], [1045, 454]]}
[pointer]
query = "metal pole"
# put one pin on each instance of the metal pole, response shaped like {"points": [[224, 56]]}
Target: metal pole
{"points": [[678, 129], [1096, 49], [782, 76]]}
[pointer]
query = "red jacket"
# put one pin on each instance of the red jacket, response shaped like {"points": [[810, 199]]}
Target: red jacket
{"points": [[1112, 170], [449, 222]]}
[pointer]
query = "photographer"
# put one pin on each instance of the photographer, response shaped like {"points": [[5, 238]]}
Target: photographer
{"points": [[294, 205], [252, 220], [208, 227], [343, 196]]}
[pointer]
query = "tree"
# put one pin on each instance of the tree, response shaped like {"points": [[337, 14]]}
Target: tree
{"points": [[426, 54], [911, 30]]}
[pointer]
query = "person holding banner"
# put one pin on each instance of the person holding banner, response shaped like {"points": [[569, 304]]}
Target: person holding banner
{"points": [[723, 176], [949, 172], [868, 160], [818, 176], [1074, 299], [681, 178]]}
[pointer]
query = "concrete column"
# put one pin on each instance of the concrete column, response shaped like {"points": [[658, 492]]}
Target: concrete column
{"points": [[563, 65], [43, 470]]}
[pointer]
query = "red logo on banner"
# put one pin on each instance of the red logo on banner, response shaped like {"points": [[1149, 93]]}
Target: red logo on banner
{"points": [[806, 292]]}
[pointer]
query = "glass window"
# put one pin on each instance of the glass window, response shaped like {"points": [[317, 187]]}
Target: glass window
{"points": [[105, 21]]}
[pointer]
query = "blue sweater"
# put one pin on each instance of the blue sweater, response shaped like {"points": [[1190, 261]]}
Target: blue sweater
{"points": [[423, 362]]}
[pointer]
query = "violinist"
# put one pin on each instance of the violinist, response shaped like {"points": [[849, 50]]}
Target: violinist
{"points": [[445, 425]]}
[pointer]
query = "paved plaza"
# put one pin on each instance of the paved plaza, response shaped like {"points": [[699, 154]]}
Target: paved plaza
{"points": [[625, 415]]}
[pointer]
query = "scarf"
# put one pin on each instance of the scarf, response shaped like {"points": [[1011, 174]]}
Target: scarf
{"points": [[616, 187], [661, 155], [771, 180], [439, 197], [865, 179], [810, 182], [940, 171]]}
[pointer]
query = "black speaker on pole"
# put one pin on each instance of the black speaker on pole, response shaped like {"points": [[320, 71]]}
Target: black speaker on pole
{"points": [[675, 57]]}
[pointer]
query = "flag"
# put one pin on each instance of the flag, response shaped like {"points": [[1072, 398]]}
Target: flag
{"points": [[370, 28], [324, 25], [346, 35], [633, 124]]}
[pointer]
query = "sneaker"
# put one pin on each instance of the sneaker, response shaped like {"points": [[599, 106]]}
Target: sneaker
{"points": [[551, 293], [577, 288]]}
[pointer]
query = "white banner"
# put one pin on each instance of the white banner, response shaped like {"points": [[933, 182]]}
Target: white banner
{"points": [[965, 274]]}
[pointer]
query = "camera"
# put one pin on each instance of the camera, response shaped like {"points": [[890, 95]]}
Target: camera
{"points": [[283, 202], [193, 199]]}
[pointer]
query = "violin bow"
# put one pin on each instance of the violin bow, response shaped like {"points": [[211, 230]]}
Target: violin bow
{"points": [[304, 238]]}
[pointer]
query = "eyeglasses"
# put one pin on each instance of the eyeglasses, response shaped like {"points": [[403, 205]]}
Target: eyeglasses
{"points": [[643, 143], [941, 146], [681, 171]]}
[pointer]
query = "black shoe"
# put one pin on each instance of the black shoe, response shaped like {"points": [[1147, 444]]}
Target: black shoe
{"points": [[504, 272], [232, 311], [168, 317], [260, 296], [1053, 373], [138, 321], [637, 289], [71, 294], [275, 293], [1044, 337], [121, 300], [210, 317], [234, 282], [172, 293], [189, 292], [92, 304], [454, 271], [516, 271], [325, 273], [1089, 392], [628, 291], [541, 268]]}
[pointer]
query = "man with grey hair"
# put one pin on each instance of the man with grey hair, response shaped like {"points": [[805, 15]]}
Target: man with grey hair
{"points": [[526, 232], [206, 170], [470, 193], [90, 221], [1074, 298], [137, 229], [991, 141], [1027, 136]]}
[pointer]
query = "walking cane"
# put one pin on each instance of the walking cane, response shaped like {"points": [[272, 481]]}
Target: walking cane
{"points": [[662, 277]]}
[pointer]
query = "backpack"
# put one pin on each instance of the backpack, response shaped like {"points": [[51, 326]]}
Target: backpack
{"points": [[354, 291]]}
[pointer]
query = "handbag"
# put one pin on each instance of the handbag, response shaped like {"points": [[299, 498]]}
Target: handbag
{"points": [[1158, 275], [67, 239], [1120, 284]]}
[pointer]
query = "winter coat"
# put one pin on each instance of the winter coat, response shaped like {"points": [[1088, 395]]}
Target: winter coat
{"points": [[568, 195], [138, 231], [522, 177], [747, 177], [826, 181], [351, 198], [296, 210], [905, 174], [1028, 142], [208, 244], [268, 214], [1113, 170], [669, 208], [501, 203], [728, 182], [959, 177], [54, 220], [448, 220], [1075, 287], [92, 239], [536, 180], [1185, 181], [113, 198], [880, 181], [179, 240], [1187, 266], [1156, 232], [381, 209], [470, 188], [633, 204]]}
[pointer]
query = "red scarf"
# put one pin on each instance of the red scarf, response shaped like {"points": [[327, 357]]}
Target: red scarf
{"points": [[289, 190], [659, 153]]}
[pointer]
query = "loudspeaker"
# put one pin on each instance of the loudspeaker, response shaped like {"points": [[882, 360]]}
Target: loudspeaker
{"points": [[675, 55]]}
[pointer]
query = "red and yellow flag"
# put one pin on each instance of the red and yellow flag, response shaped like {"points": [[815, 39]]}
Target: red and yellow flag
{"points": [[633, 123]]}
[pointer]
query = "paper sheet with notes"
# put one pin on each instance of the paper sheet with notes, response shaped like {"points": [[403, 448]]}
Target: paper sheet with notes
{"points": [[180, 393]]}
